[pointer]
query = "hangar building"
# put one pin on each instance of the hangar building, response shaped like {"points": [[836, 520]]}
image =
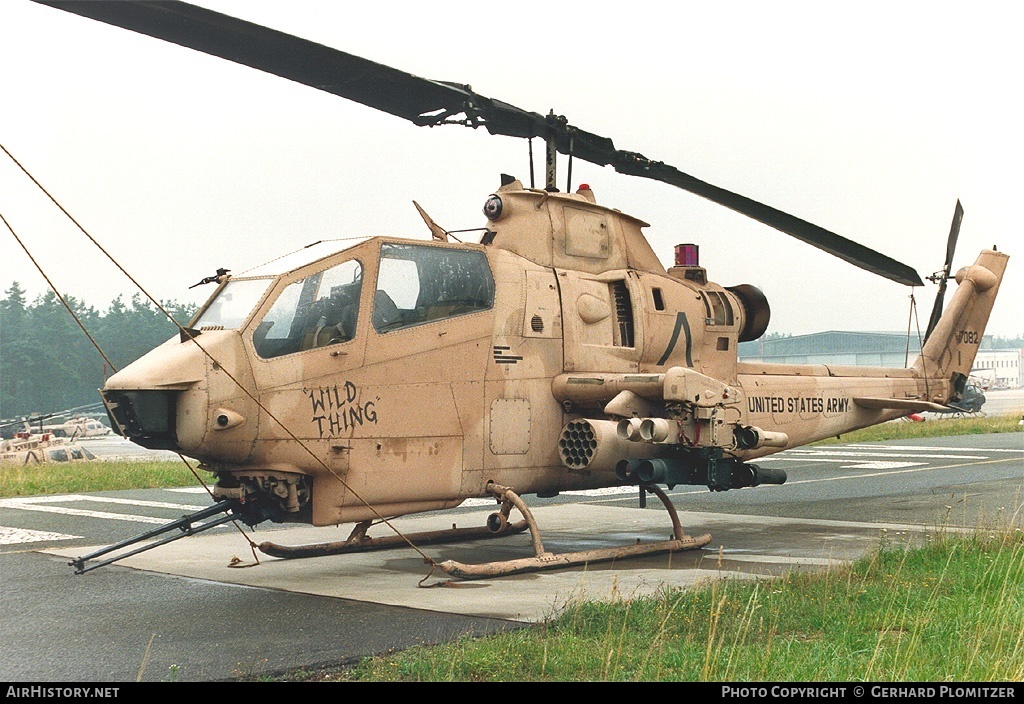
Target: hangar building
{"points": [[999, 368]]}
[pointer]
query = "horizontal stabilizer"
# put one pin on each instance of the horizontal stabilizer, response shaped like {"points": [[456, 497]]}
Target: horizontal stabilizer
{"points": [[903, 404]]}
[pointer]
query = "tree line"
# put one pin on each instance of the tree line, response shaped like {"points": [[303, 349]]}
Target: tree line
{"points": [[47, 364]]}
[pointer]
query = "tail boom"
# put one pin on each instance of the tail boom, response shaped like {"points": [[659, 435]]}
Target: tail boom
{"points": [[948, 353]]}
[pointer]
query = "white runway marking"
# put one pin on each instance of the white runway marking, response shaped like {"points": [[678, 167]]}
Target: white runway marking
{"points": [[14, 536], [794, 458], [63, 498], [883, 465], [916, 448], [871, 453], [44, 504]]}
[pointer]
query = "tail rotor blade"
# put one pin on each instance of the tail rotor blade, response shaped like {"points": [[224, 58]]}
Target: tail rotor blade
{"points": [[954, 233], [943, 276]]}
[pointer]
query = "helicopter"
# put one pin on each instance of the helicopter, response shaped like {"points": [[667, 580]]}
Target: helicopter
{"points": [[393, 376]]}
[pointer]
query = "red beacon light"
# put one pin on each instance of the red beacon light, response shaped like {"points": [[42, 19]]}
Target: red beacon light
{"points": [[584, 190], [687, 255]]}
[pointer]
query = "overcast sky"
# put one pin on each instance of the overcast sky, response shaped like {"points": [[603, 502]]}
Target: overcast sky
{"points": [[869, 119]]}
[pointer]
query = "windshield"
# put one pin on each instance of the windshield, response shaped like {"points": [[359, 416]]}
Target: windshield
{"points": [[232, 305]]}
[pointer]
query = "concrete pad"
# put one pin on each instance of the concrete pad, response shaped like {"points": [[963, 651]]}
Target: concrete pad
{"points": [[742, 547]]}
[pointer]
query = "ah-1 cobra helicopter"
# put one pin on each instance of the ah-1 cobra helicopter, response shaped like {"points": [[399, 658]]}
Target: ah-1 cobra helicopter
{"points": [[557, 353]]}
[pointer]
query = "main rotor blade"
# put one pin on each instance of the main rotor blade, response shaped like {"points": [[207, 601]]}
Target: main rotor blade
{"points": [[269, 50], [846, 249], [429, 102]]}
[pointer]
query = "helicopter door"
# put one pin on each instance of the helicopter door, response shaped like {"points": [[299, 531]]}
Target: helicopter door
{"points": [[314, 319], [601, 329]]}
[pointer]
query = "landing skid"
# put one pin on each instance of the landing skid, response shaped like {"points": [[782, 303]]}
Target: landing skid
{"points": [[358, 541], [498, 526]]}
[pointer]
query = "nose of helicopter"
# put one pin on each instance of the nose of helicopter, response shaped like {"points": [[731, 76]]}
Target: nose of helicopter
{"points": [[141, 399], [174, 396]]}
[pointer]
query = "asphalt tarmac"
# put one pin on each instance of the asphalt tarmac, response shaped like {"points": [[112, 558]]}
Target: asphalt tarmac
{"points": [[203, 609]]}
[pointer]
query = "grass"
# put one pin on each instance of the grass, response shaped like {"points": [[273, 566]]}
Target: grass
{"points": [[952, 610], [86, 476], [932, 428]]}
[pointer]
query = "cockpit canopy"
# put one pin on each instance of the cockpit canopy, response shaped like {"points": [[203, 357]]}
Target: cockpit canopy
{"points": [[318, 310], [419, 284], [416, 283], [231, 304]]}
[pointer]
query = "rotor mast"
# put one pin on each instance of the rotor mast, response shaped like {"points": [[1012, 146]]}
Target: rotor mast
{"points": [[551, 155]]}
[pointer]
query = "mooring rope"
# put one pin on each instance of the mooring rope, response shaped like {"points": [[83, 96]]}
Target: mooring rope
{"points": [[191, 336]]}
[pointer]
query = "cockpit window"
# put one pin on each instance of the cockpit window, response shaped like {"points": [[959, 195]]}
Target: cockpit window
{"points": [[419, 284], [232, 305], [319, 310]]}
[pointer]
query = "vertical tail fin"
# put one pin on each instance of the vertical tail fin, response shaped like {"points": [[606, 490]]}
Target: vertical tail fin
{"points": [[949, 351]]}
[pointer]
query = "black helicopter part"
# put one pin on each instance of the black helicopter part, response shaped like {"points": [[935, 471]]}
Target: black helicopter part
{"points": [[145, 417], [253, 510], [945, 274], [705, 467], [186, 525], [430, 103]]}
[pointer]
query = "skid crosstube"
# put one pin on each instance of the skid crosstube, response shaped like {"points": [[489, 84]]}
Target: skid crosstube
{"points": [[498, 525]]}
